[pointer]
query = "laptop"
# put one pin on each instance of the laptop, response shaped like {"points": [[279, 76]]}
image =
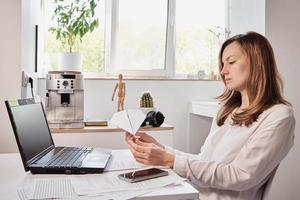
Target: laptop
{"points": [[37, 149]]}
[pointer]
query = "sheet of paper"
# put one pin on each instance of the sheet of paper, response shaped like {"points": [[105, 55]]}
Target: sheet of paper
{"points": [[122, 195], [89, 185], [122, 160], [24, 192], [129, 120], [52, 188]]}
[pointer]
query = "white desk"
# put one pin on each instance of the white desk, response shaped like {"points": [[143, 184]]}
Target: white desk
{"points": [[12, 175]]}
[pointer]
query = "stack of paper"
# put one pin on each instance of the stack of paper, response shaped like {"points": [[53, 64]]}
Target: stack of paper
{"points": [[110, 185], [96, 187]]}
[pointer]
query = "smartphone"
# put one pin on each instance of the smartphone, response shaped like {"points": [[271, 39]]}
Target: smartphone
{"points": [[141, 175]]}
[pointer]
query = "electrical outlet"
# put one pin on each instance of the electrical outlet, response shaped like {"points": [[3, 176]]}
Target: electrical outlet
{"points": [[25, 79]]}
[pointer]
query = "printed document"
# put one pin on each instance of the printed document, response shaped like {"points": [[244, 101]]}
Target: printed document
{"points": [[47, 188], [99, 184]]}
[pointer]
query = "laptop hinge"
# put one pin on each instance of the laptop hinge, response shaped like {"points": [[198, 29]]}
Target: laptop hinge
{"points": [[41, 154]]}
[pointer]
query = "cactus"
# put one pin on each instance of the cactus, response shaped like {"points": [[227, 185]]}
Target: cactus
{"points": [[146, 100]]}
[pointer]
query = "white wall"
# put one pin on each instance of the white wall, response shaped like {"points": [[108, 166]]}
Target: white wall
{"points": [[170, 97], [283, 31], [10, 66], [246, 16], [30, 17]]}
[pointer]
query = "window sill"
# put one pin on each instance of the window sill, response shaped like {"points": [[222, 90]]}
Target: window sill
{"points": [[142, 78], [149, 78]]}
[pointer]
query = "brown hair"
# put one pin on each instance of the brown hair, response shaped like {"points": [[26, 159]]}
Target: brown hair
{"points": [[264, 86]]}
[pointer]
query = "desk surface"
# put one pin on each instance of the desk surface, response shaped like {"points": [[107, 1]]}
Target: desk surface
{"points": [[93, 129], [12, 175]]}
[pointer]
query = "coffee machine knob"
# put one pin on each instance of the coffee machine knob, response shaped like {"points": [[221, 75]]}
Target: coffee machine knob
{"points": [[65, 83]]}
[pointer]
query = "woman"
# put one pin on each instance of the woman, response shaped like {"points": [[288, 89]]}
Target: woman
{"points": [[254, 127]]}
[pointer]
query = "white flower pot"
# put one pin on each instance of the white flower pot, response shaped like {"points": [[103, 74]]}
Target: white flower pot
{"points": [[70, 61], [147, 110]]}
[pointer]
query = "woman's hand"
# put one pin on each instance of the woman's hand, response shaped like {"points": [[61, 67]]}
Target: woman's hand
{"points": [[144, 137], [149, 153]]}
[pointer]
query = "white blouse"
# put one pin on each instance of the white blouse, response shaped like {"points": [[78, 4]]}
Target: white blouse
{"points": [[235, 161]]}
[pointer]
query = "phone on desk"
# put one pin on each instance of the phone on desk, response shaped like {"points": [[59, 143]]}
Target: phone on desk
{"points": [[141, 175]]}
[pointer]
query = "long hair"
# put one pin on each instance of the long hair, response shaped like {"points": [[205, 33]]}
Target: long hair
{"points": [[264, 87]]}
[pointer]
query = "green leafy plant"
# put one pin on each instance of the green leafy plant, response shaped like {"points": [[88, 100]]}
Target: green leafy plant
{"points": [[73, 19]]}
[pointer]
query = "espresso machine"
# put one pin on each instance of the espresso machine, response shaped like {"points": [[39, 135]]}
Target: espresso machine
{"points": [[65, 99]]}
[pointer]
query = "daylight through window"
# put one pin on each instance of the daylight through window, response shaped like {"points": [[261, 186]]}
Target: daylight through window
{"points": [[138, 37]]}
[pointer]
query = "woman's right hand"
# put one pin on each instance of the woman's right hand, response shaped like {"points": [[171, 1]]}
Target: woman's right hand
{"points": [[148, 151], [144, 137]]}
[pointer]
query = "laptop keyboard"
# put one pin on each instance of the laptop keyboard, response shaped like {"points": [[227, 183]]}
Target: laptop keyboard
{"points": [[69, 157]]}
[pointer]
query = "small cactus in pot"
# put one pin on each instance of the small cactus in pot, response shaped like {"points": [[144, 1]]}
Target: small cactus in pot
{"points": [[146, 100]]}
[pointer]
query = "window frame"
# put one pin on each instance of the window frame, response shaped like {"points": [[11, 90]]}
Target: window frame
{"points": [[111, 29]]}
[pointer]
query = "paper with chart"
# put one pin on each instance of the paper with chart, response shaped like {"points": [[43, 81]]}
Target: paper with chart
{"points": [[47, 188], [61, 188], [129, 120]]}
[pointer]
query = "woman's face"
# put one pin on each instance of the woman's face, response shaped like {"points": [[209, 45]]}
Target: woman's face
{"points": [[236, 67]]}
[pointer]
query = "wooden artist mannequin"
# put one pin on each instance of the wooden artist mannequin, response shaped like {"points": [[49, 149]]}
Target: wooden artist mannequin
{"points": [[121, 93]]}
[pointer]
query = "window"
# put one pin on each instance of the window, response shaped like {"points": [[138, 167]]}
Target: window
{"points": [[141, 36], [92, 46], [147, 37], [200, 30]]}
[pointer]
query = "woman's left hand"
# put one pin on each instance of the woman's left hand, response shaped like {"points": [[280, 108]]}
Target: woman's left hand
{"points": [[149, 153]]}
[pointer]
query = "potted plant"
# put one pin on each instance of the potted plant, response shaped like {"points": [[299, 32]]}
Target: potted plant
{"points": [[73, 19], [146, 102]]}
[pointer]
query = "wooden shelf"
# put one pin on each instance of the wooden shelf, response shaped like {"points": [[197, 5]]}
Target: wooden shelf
{"points": [[94, 129]]}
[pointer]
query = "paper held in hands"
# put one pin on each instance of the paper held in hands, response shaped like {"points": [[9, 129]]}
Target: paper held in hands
{"points": [[129, 120]]}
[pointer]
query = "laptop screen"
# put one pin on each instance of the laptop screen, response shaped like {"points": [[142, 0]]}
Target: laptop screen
{"points": [[31, 129]]}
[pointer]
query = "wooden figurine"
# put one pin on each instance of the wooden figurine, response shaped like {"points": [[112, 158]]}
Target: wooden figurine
{"points": [[121, 93]]}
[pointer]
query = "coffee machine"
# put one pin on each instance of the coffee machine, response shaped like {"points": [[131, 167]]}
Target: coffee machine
{"points": [[65, 99]]}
